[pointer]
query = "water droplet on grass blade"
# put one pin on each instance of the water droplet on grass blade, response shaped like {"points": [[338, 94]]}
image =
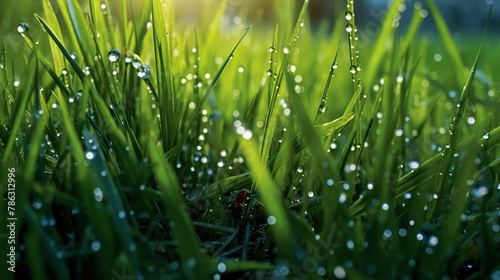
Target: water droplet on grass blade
{"points": [[339, 272], [136, 63], [89, 155], [247, 134], [221, 267], [322, 108], [433, 241], [479, 192], [144, 71], [348, 28], [300, 169], [348, 15], [286, 49], [98, 194], [128, 59], [342, 198], [114, 55], [353, 69], [413, 164], [23, 27], [121, 215]]}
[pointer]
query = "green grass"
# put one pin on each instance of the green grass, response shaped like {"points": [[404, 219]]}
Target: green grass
{"points": [[135, 143]]}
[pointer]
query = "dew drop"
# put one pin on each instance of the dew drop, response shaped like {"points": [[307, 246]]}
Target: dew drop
{"points": [[89, 155], [98, 194], [348, 28], [300, 169], [247, 134], [114, 55], [348, 15], [342, 198], [144, 71], [23, 27], [433, 241], [413, 164], [221, 267], [136, 63], [479, 192], [37, 204], [96, 245], [339, 272], [322, 108], [321, 271], [353, 69]]}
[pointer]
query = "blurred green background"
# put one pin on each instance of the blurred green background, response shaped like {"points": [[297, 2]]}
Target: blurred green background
{"points": [[189, 12]]}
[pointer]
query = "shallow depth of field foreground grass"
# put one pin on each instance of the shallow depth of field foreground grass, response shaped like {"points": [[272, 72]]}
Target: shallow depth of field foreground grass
{"points": [[134, 147]]}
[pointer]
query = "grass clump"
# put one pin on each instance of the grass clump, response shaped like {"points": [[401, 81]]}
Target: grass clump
{"points": [[144, 151]]}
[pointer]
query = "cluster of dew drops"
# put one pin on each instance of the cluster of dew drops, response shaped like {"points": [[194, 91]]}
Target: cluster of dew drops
{"points": [[143, 70]]}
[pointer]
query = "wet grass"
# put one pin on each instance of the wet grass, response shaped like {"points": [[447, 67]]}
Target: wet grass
{"points": [[145, 150]]}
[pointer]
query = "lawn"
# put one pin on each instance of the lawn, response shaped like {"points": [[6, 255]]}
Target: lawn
{"points": [[134, 145]]}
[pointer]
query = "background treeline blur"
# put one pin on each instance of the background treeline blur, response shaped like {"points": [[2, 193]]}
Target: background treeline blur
{"points": [[463, 16]]}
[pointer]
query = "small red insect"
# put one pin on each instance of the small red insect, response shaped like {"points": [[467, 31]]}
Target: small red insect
{"points": [[238, 204]]}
